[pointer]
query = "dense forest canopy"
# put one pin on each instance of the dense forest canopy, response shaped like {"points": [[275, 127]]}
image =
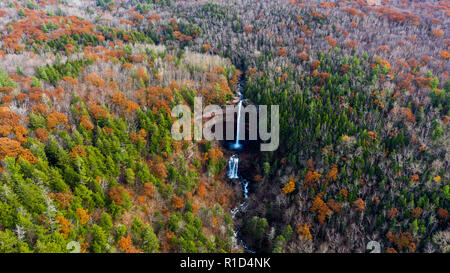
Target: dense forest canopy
{"points": [[86, 92]]}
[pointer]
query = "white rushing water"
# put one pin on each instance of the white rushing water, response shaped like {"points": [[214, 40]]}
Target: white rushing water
{"points": [[233, 165], [233, 162], [244, 184], [233, 173], [238, 124]]}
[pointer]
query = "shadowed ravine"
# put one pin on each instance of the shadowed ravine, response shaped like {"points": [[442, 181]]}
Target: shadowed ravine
{"points": [[233, 170]]}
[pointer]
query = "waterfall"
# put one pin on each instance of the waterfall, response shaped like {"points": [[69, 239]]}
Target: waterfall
{"points": [[233, 165], [244, 184], [238, 124], [233, 162]]}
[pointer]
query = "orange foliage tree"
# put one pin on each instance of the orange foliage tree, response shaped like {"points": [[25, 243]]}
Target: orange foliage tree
{"points": [[149, 189], [78, 151], [321, 208], [402, 241], [82, 215], [159, 170], [126, 245], [62, 198], [359, 204], [177, 202], [282, 52], [64, 226], [86, 123], [310, 177], [12, 148], [54, 119], [41, 134], [201, 189], [333, 173], [117, 194], [10, 123], [304, 232], [98, 112], [445, 55]]}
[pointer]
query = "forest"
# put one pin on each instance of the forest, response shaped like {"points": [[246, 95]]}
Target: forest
{"points": [[87, 155]]}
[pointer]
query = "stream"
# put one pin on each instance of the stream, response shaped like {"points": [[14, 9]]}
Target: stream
{"points": [[233, 172]]}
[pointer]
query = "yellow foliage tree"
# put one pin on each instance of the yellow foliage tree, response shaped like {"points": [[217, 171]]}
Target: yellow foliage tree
{"points": [[289, 187]]}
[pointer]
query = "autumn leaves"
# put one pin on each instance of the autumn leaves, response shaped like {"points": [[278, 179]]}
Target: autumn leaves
{"points": [[319, 206]]}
